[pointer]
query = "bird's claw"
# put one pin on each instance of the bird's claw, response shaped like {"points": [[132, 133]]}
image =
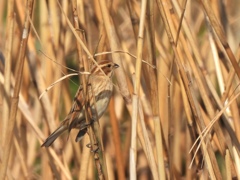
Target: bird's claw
{"points": [[95, 149]]}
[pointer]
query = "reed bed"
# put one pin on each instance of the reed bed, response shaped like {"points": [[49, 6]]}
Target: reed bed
{"points": [[174, 113]]}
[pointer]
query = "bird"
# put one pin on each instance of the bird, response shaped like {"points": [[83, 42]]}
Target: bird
{"points": [[99, 90]]}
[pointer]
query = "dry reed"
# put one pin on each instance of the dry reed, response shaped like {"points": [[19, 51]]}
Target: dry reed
{"points": [[175, 108]]}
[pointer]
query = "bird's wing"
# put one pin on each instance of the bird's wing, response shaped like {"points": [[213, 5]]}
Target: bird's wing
{"points": [[76, 116]]}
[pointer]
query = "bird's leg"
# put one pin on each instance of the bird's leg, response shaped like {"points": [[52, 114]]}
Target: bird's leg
{"points": [[89, 145]]}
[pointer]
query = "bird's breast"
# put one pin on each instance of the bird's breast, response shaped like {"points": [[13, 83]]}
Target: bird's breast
{"points": [[102, 97]]}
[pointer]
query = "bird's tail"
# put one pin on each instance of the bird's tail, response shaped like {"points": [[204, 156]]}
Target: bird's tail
{"points": [[54, 136]]}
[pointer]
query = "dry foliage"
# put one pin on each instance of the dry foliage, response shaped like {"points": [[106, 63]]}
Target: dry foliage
{"points": [[174, 113]]}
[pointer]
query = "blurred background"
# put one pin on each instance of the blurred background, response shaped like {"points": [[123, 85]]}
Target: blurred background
{"points": [[174, 113]]}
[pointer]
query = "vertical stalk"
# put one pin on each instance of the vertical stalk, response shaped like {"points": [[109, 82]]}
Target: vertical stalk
{"points": [[15, 98], [7, 73]]}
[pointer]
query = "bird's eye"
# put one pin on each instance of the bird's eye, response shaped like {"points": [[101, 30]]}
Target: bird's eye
{"points": [[109, 65]]}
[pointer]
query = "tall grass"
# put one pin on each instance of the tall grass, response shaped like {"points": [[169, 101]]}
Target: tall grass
{"points": [[174, 113]]}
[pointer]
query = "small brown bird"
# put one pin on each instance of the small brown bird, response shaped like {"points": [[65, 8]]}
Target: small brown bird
{"points": [[99, 85]]}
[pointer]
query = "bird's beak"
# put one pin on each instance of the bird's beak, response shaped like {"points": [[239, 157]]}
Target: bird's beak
{"points": [[116, 66]]}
